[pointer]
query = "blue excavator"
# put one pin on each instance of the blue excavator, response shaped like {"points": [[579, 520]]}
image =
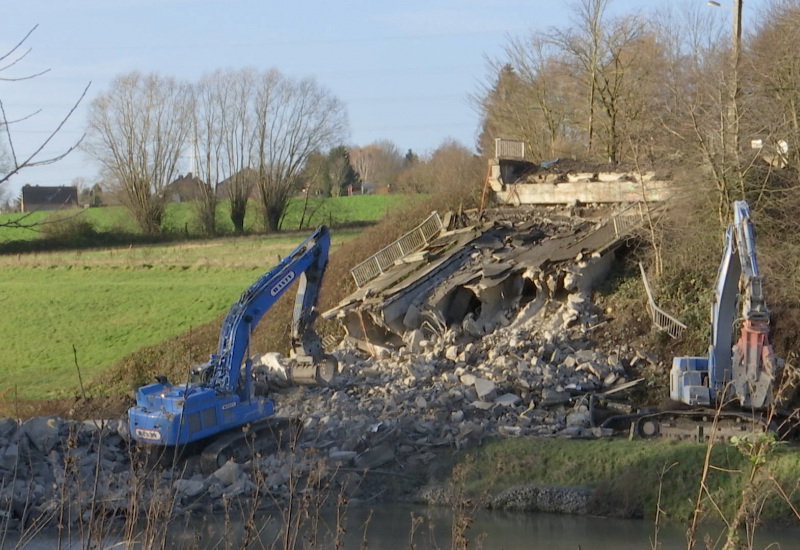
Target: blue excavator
{"points": [[221, 396]]}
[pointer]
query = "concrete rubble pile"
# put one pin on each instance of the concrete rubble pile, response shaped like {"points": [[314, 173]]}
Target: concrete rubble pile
{"points": [[51, 467], [527, 369]]}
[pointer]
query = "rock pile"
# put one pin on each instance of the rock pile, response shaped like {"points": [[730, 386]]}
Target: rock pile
{"points": [[50, 467], [449, 389], [525, 379]]}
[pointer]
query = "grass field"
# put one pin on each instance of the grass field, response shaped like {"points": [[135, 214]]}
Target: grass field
{"points": [[179, 217], [107, 303]]}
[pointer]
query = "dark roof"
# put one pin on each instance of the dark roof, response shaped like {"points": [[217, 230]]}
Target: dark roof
{"points": [[63, 195], [247, 176], [186, 188]]}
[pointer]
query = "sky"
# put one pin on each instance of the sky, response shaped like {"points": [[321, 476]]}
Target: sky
{"points": [[405, 70]]}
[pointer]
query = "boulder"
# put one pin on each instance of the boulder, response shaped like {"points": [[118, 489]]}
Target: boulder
{"points": [[484, 388], [228, 473], [188, 487], [44, 432]]}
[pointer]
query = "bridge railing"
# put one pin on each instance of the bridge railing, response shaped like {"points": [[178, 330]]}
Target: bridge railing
{"points": [[628, 220], [386, 257], [661, 319]]}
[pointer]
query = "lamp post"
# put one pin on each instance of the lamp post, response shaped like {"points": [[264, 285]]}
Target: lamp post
{"points": [[732, 137]]}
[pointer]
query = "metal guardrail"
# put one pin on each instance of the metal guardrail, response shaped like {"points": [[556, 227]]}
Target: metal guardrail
{"points": [[386, 257], [661, 319], [509, 149], [628, 219]]}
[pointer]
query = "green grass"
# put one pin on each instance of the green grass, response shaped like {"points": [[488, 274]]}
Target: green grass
{"points": [[111, 302], [179, 218], [626, 474]]}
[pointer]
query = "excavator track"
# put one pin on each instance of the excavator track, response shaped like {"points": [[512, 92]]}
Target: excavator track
{"points": [[699, 425], [257, 438]]}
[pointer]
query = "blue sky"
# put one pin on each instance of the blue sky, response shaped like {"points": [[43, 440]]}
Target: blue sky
{"points": [[404, 70]]}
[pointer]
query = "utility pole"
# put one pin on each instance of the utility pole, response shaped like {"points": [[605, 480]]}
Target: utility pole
{"points": [[730, 134], [733, 110]]}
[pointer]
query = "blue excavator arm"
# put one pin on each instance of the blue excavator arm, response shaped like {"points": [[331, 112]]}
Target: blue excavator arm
{"points": [[172, 415], [306, 264]]}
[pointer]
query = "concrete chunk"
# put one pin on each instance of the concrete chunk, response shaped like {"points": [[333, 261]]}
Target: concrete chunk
{"points": [[342, 456], [485, 389], [376, 456], [188, 487], [8, 427], [507, 400], [43, 432], [228, 473], [9, 459]]}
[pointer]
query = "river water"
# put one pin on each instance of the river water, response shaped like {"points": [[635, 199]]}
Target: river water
{"points": [[389, 527]]}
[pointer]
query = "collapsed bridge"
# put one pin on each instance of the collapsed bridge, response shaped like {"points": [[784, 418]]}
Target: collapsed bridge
{"points": [[477, 270]]}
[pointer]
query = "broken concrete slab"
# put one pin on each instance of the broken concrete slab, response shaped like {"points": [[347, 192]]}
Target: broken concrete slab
{"points": [[228, 473], [188, 487], [516, 181], [485, 389], [475, 279], [376, 456]]}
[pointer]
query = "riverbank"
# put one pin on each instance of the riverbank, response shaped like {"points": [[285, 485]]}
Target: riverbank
{"points": [[621, 478], [86, 478]]}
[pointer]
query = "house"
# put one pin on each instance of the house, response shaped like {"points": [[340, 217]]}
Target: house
{"points": [[35, 197], [245, 178], [190, 188], [184, 189]]}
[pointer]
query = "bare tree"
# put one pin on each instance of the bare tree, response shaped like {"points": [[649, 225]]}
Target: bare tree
{"points": [[571, 89], [207, 143], [585, 44], [5, 159], [235, 103], [379, 162], [293, 119], [601, 52], [451, 169], [14, 160], [774, 73], [137, 130], [531, 98], [5, 166], [693, 111]]}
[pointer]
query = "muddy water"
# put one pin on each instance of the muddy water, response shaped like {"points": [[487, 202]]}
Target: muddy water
{"points": [[389, 528], [398, 526]]}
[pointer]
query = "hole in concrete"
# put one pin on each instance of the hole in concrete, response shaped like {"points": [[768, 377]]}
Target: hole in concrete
{"points": [[457, 303], [528, 293], [355, 326], [560, 293]]}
